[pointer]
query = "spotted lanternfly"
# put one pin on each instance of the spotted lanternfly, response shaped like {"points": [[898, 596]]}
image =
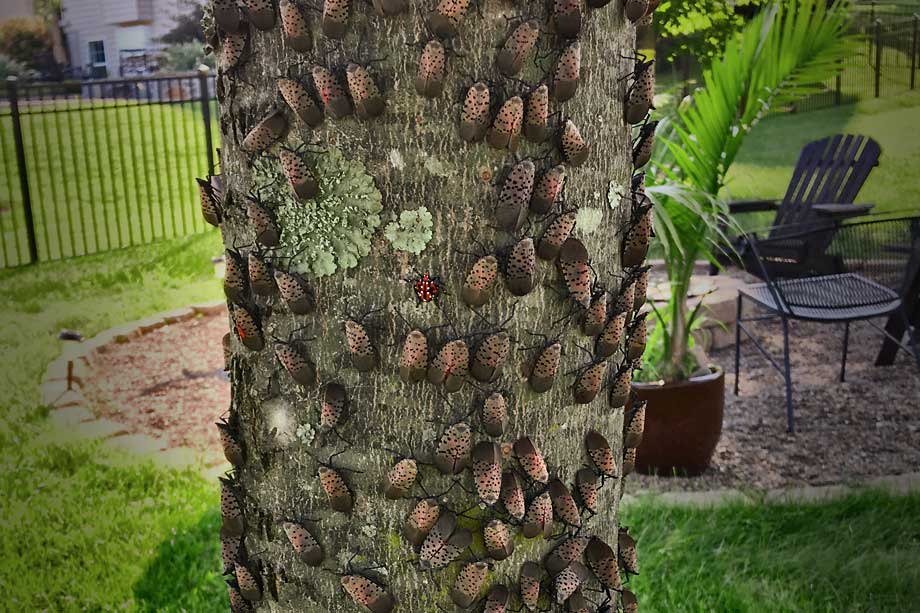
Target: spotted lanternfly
{"points": [[232, 47], [399, 480], [536, 115], [598, 4], [577, 603], [450, 366], [641, 290], [497, 539], [638, 337], [565, 553], [427, 288], [335, 18], [603, 563], [247, 327], [299, 175], [421, 520], [494, 411], [260, 13], [445, 19], [265, 133], [229, 552], [301, 368], [574, 149], [600, 453], [369, 103], [545, 367], [626, 548], [512, 495], [248, 582], [609, 339], [296, 28], [413, 363], [263, 223], [226, 15], [515, 196], [539, 517], [645, 21], [210, 201], [294, 291], [636, 241], [389, 8], [468, 584], [334, 410], [589, 382], [520, 273], [232, 449], [477, 287], [235, 280], [634, 424], [626, 297], [641, 91], [531, 460], [635, 9], [642, 146], [629, 460], [569, 580], [568, 71], [226, 342], [497, 599], [564, 506], [474, 118], [490, 357], [444, 543], [547, 190], [529, 583], [432, 68], [506, 129], [261, 279], [238, 604], [586, 486], [300, 101], [367, 594], [487, 471], [517, 47], [362, 351], [231, 512], [331, 93], [576, 272], [304, 543], [555, 235], [595, 316], [566, 17], [620, 387], [340, 498], [628, 602], [453, 450]]}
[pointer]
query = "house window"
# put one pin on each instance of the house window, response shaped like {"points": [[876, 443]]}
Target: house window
{"points": [[96, 53]]}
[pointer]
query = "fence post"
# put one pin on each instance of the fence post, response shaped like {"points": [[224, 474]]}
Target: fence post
{"points": [[203, 72], [913, 51], [878, 57], [12, 84]]}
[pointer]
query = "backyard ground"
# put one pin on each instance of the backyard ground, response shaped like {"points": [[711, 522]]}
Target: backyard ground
{"points": [[79, 532]]}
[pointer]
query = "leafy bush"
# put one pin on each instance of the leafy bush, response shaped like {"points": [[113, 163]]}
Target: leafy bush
{"points": [[10, 67], [25, 40], [700, 28], [185, 56]]}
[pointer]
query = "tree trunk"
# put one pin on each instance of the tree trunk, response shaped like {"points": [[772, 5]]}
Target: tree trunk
{"points": [[402, 195]]}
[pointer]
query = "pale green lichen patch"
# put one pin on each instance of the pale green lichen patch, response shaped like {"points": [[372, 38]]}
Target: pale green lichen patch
{"points": [[587, 219], [411, 232], [333, 231], [615, 193]]}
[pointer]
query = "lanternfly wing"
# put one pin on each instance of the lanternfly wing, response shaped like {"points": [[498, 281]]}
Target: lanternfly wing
{"points": [[474, 118], [368, 100], [573, 146], [545, 368], [576, 271], [429, 81], [595, 316], [304, 543], [520, 268], [555, 235], [490, 357], [564, 506], [337, 492], [494, 412], [626, 547], [497, 599], [529, 582], [517, 47], [515, 196], [334, 410], [570, 580], [446, 18], [261, 279], [506, 128], [487, 471], [265, 133], [566, 18], [331, 93], [603, 563], [498, 540], [634, 424], [568, 72], [586, 484], [547, 190], [299, 175], [335, 18], [400, 479], [301, 369], [421, 520], [294, 291], [539, 517], [453, 451], [263, 223], [363, 353], [300, 101], [468, 584], [477, 287], [531, 459], [600, 453], [512, 495], [413, 363], [589, 382], [367, 594], [536, 115], [296, 29], [248, 329], [450, 366], [565, 553], [611, 336]]}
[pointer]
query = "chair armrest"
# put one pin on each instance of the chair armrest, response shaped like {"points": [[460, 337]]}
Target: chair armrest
{"points": [[752, 206], [841, 211]]}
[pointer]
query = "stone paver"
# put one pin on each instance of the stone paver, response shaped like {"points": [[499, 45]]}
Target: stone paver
{"points": [[210, 308], [138, 444], [178, 315], [179, 458], [70, 416]]}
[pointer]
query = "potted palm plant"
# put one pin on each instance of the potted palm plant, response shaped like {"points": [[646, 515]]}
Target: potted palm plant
{"points": [[785, 53]]}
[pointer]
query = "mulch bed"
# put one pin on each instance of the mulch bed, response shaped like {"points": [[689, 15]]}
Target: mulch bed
{"points": [[170, 383]]}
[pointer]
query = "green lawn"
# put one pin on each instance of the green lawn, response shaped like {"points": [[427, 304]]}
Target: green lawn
{"points": [[112, 175], [78, 532]]}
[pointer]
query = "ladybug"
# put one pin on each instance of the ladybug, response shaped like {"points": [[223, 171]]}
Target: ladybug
{"points": [[427, 288]]}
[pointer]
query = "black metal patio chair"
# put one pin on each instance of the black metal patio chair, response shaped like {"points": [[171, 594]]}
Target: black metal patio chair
{"points": [[857, 274]]}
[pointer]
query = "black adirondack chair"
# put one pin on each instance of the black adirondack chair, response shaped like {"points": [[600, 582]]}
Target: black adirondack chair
{"points": [[824, 185]]}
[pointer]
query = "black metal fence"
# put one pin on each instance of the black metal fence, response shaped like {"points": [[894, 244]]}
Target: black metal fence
{"points": [[90, 166]]}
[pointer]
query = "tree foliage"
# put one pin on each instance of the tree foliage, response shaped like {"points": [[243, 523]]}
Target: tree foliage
{"points": [[187, 26], [25, 40], [700, 28]]}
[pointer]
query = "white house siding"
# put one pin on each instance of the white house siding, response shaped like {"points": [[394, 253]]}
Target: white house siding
{"points": [[10, 9]]}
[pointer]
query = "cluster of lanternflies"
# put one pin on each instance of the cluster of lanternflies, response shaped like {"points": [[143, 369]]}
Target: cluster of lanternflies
{"points": [[612, 320]]}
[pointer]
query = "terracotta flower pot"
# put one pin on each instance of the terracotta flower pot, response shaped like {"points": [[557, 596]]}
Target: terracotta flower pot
{"points": [[683, 422]]}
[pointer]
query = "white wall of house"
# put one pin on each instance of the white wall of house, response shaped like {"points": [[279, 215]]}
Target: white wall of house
{"points": [[10, 9]]}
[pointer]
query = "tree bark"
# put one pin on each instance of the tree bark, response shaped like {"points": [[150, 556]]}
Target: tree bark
{"points": [[362, 267]]}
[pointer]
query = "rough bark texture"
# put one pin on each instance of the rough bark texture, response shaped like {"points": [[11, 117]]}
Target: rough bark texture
{"points": [[416, 159]]}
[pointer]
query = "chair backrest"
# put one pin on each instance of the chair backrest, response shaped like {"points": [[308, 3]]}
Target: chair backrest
{"points": [[829, 171]]}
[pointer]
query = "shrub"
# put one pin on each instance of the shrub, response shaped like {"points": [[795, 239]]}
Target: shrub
{"points": [[185, 56], [25, 40], [10, 67]]}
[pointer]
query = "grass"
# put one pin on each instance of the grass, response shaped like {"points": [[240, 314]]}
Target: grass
{"points": [[101, 177]]}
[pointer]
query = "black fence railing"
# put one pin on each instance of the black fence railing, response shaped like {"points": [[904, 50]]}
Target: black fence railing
{"points": [[91, 166]]}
